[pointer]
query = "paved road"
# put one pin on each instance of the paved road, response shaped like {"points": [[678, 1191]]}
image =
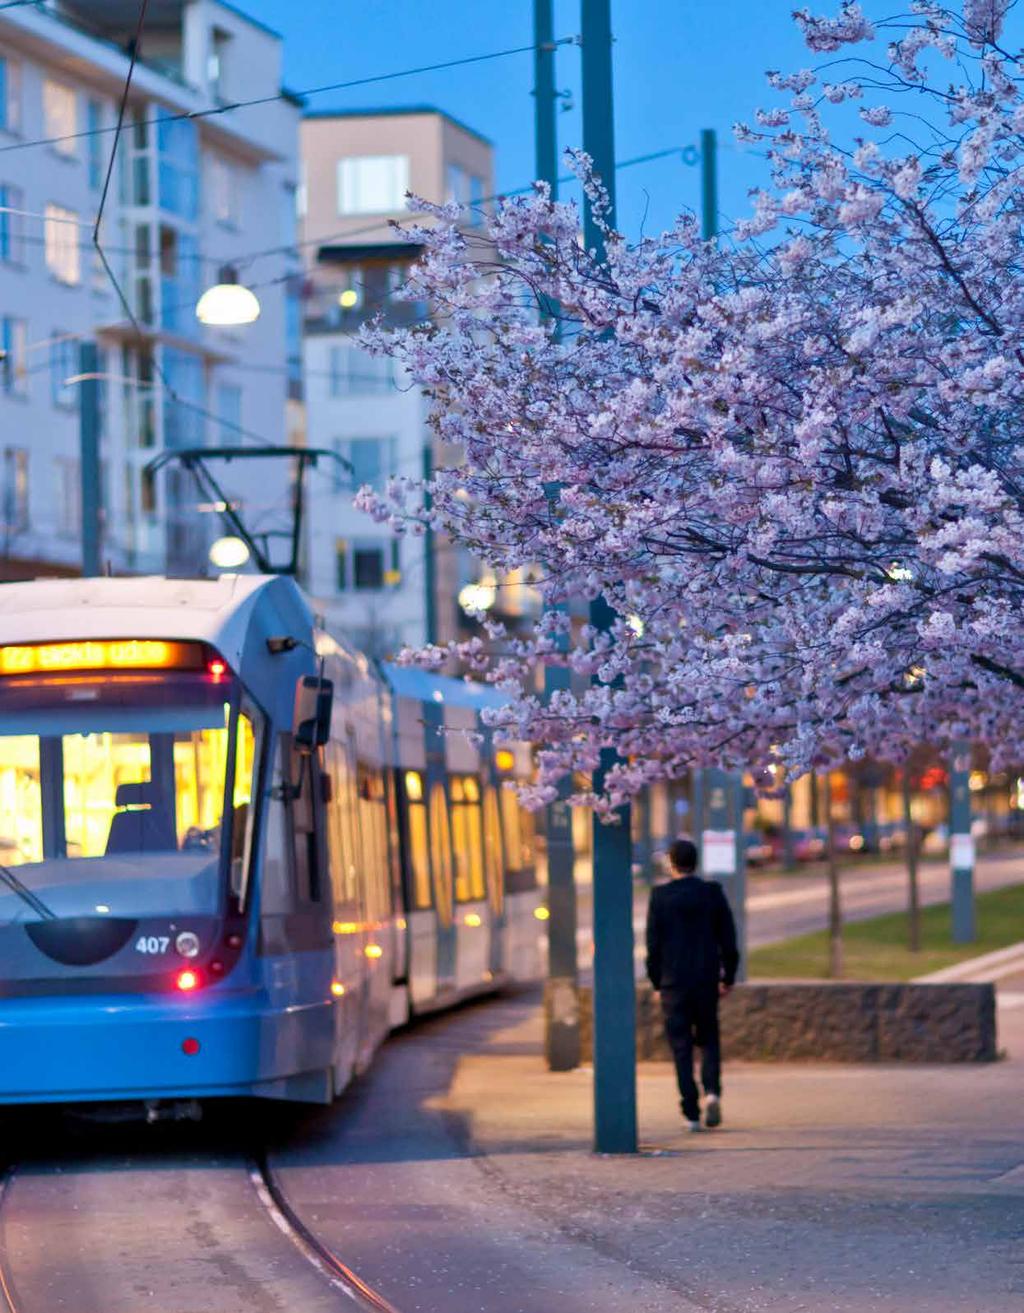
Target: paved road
{"points": [[781, 906], [458, 1178], [164, 1219]]}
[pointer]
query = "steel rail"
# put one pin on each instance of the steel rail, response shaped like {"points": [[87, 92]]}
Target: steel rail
{"points": [[7, 1301], [286, 1219]]}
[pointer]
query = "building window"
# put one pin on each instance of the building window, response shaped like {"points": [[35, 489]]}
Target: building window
{"points": [[14, 334], [372, 462], [60, 116], [10, 95], [147, 491], [16, 489], [12, 199], [216, 63], [352, 371], [372, 184], [60, 238], [63, 364], [178, 171], [94, 142], [179, 280], [184, 399], [340, 564], [457, 184], [225, 182], [476, 200], [367, 566], [69, 497], [293, 336], [229, 413]]}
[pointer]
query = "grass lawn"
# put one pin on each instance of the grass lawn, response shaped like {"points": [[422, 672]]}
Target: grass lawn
{"points": [[877, 949]]}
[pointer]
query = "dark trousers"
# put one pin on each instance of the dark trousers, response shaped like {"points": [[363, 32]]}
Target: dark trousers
{"points": [[691, 1017]]}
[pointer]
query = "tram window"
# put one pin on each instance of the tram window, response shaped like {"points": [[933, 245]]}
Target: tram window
{"points": [[246, 756], [493, 853], [372, 827], [341, 833], [510, 817], [467, 838], [418, 851], [21, 810], [441, 853]]}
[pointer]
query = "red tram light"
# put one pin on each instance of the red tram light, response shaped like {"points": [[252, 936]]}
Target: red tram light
{"points": [[187, 980], [190, 1046], [217, 668]]}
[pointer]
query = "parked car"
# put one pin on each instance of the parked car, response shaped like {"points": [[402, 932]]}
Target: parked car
{"points": [[759, 848]]}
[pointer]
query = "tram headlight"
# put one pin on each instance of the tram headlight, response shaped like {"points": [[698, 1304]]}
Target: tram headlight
{"points": [[187, 944]]}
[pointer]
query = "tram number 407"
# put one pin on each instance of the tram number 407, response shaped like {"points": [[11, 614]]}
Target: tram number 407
{"points": [[152, 944]]}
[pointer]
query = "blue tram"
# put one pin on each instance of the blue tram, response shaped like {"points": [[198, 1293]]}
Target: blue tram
{"points": [[233, 852]]}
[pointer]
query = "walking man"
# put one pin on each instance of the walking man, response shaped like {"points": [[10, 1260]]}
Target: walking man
{"points": [[692, 960]]}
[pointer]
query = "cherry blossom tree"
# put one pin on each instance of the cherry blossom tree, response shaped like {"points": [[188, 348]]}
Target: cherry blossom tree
{"points": [[792, 461]]}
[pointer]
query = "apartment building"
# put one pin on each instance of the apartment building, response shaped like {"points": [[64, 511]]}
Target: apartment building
{"points": [[189, 196], [383, 591]]}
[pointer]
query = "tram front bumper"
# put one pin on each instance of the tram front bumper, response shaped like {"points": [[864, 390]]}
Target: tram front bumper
{"points": [[98, 1048]]}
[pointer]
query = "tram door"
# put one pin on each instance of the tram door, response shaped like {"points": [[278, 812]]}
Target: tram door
{"points": [[440, 847]]}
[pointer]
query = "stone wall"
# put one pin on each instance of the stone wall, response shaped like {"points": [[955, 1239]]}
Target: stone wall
{"points": [[825, 1022]]}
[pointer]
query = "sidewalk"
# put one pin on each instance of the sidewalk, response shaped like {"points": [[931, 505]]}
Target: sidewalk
{"points": [[854, 1189]]}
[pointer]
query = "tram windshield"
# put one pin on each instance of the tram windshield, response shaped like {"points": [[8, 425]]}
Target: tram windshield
{"points": [[124, 796]]}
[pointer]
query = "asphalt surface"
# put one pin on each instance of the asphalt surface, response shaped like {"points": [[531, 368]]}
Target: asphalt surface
{"points": [[458, 1178], [783, 906], [128, 1219], [392, 1180]]}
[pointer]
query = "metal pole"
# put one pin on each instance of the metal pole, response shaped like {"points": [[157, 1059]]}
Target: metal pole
{"points": [[615, 1129], [961, 845], [709, 183], [89, 456], [835, 906], [429, 561], [721, 844], [562, 1032], [544, 119]]}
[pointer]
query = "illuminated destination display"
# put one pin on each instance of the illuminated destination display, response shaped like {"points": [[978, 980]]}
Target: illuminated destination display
{"points": [[99, 654]]}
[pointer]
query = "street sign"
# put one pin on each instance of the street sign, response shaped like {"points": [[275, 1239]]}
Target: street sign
{"points": [[718, 852]]}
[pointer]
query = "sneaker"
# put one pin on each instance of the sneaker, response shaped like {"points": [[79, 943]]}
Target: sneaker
{"points": [[713, 1111], [694, 1126]]}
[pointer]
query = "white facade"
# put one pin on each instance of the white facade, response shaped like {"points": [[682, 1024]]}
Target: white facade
{"points": [[187, 197], [370, 584], [381, 591]]}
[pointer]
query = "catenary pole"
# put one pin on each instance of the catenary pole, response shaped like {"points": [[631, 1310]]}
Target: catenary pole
{"points": [[615, 1129], [89, 455], [562, 1032], [709, 183], [723, 852]]}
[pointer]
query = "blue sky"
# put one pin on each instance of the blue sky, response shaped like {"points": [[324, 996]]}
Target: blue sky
{"points": [[680, 65]]}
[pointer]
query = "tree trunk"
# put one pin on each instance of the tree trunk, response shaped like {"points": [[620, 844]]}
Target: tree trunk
{"points": [[835, 907], [914, 899]]}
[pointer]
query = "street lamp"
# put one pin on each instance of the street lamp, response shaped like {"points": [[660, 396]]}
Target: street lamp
{"points": [[479, 596], [227, 304], [228, 553]]}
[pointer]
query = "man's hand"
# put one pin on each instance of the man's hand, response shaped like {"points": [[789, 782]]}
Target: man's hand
{"points": [[723, 989]]}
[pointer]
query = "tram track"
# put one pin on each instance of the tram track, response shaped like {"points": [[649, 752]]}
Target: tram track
{"points": [[325, 1260], [22, 1281], [7, 1304]]}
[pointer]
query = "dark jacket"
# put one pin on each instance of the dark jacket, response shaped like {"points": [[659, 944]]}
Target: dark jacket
{"points": [[691, 936]]}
